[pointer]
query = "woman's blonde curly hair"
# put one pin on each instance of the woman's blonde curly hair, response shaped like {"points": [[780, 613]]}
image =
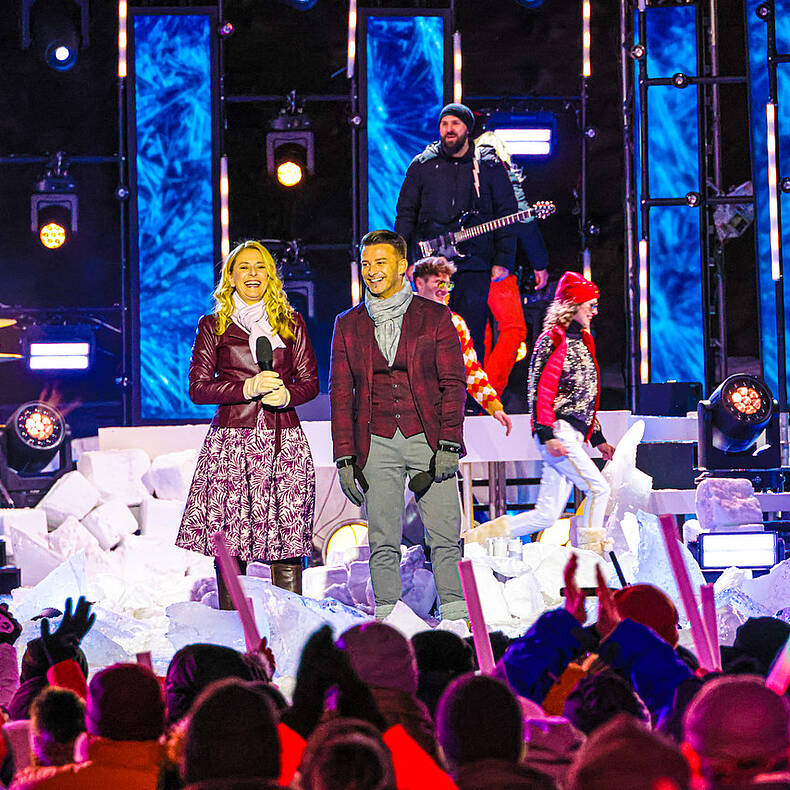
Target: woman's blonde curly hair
{"points": [[278, 310], [561, 313]]}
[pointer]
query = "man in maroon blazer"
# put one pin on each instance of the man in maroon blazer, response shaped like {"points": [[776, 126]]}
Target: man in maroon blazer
{"points": [[397, 390]]}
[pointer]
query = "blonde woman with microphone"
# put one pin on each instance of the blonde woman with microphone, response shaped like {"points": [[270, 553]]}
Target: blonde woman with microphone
{"points": [[255, 480]]}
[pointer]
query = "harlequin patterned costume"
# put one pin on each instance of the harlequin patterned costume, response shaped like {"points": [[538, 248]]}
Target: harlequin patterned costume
{"points": [[477, 383]]}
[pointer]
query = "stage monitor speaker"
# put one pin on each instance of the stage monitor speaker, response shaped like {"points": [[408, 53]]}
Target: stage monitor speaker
{"points": [[670, 464], [671, 399]]}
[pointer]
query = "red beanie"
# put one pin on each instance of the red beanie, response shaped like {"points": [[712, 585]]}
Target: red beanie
{"points": [[651, 607], [572, 287]]}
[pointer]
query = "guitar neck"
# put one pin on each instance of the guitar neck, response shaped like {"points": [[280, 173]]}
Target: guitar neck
{"points": [[495, 224]]}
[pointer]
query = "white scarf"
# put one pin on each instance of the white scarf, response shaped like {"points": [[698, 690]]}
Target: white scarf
{"points": [[252, 318]]}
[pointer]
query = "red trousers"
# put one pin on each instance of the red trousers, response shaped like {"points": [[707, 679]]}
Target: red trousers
{"points": [[504, 302]]}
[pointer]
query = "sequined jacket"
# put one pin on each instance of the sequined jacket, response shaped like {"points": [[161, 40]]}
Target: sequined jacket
{"points": [[564, 383]]}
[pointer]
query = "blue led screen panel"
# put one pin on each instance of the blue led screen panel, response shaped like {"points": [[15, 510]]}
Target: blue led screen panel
{"points": [[174, 233], [403, 93], [758, 98], [676, 337]]}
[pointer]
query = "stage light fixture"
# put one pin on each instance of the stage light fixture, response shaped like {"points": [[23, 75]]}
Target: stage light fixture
{"points": [[732, 420], [693, 199], [68, 349], [680, 80], [525, 135], [57, 30], [54, 205], [290, 154], [33, 436], [9, 341], [755, 550], [638, 51]]}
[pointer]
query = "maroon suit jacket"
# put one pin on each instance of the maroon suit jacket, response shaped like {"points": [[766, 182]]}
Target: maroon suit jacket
{"points": [[435, 366], [221, 363]]}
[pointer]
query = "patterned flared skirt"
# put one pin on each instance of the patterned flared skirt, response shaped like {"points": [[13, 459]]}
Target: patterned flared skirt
{"points": [[264, 505]]}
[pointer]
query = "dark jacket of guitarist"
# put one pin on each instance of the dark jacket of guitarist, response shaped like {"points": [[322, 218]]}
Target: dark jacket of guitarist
{"points": [[439, 189]]}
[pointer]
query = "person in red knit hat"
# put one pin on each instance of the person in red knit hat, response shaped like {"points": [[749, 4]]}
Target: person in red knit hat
{"points": [[564, 390]]}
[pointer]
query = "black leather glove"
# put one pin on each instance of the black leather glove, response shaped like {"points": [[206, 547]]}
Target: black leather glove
{"points": [[63, 643], [10, 629], [349, 473], [445, 461]]}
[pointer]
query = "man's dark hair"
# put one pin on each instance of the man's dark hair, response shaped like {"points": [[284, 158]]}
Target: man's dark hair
{"points": [[384, 237], [60, 713], [600, 697]]}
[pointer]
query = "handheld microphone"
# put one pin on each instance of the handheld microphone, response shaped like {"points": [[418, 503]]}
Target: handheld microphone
{"points": [[264, 353]]}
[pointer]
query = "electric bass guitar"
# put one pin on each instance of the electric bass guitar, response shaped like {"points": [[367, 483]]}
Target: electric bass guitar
{"points": [[445, 244]]}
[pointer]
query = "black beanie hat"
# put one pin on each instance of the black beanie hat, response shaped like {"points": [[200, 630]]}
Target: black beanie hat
{"points": [[232, 733], [460, 111], [125, 704]]}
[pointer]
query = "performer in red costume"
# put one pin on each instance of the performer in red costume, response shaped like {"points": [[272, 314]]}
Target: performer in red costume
{"points": [[564, 390]]}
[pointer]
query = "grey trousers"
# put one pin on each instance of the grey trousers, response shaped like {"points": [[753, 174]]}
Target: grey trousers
{"points": [[389, 462]]}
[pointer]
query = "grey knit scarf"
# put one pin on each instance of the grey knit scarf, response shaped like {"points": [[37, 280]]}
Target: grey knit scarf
{"points": [[387, 315]]}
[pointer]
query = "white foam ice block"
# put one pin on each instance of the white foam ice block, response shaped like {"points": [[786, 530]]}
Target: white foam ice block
{"points": [[457, 627], [691, 530], [358, 577], [405, 620], [421, 595], [191, 622], [71, 495], [653, 566], [66, 580], [731, 579], [316, 581], [31, 521], [70, 537], [341, 593], [34, 557], [262, 570], [771, 590], [161, 517], [492, 596], [171, 474], [109, 522], [550, 569], [524, 598], [117, 473], [475, 550], [727, 504]]}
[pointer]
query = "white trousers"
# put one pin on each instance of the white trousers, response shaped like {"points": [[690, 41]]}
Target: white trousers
{"points": [[559, 476]]}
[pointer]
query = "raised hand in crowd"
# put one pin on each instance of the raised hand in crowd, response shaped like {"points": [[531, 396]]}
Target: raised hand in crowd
{"points": [[62, 644]]}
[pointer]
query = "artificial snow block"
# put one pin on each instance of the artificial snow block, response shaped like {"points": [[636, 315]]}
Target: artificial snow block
{"points": [[71, 495], [492, 596], [117, 473], [316, 581], [524, 598], [171, 474], [771, 590], [33, 557], [405, 620], [161, 517], [67, 580], [727, 504], [70, 537], [109, 522], [29, 520], [422, 594], [358, 578]]}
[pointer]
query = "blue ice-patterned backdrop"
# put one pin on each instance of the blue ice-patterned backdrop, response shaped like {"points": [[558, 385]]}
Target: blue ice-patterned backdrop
{"points": [[676, 339], [405, 94], [175, 212], [758, 85]]}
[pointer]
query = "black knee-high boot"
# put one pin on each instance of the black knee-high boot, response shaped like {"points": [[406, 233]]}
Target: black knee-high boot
{"points": [[223, 594], [287, 574]]}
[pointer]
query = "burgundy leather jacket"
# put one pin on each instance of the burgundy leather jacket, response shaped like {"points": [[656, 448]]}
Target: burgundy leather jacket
{"points": [[221, 363]]}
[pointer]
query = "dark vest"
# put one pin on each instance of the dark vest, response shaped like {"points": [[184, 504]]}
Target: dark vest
{"points": [[393, 403]]}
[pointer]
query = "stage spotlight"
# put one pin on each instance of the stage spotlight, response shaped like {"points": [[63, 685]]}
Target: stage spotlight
{"points": [[57, 29], [63, 348], [731, 421], [290, 154], [9, 341], [525, 135], [754, 550], [53, 205], [33, 436]]}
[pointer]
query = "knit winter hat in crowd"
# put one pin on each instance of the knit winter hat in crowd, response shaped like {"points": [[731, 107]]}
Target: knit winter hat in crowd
{"points": [[460, 111], [232, 733], [572, 287], [125, 704], [381, 656], [761, 638], [736, 719], [626, 755], [479, 718], [649, 606]]}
